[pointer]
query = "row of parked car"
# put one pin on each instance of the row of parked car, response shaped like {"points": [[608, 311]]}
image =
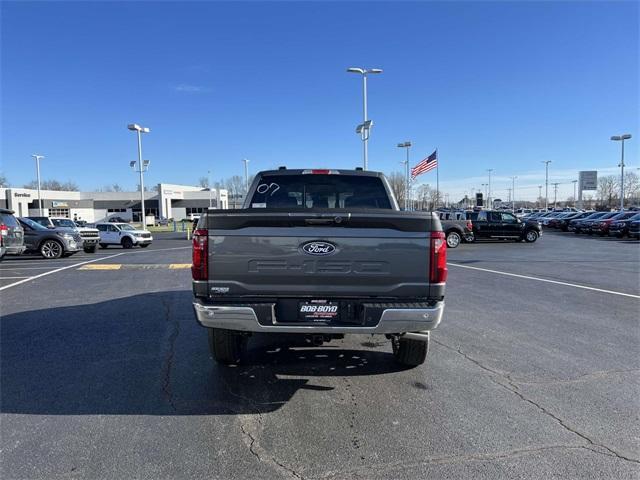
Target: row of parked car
{"points": [[617, 223], [53, 237]]}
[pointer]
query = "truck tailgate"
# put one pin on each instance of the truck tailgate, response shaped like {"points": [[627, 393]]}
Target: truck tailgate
{"points": [[262, 253]]}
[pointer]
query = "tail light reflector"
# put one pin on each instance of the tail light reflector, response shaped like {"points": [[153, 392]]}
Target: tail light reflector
{"points": [[438, 258], [469, 225], [200, 255]]}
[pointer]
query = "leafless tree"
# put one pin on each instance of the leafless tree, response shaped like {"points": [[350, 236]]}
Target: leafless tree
{"points": [[3, 180], [397, 182], [68, 186], [608, 188], [203, 182]]}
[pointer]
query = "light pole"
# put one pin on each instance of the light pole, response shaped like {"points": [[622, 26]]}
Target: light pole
{"points": [[246, 175], [555, 195], [406, 145], [574, 192], [513, 191], [209, 185], [365, 133], [539, 196], [142, 166], [37, 159], [489, 191], [546, 183], [621, 138], [486, 196]]}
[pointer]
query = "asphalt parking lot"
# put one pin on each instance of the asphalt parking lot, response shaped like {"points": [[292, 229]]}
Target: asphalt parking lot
{"points": [[534, 373]]}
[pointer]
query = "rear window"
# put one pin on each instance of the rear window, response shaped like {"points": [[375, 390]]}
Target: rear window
{"points": [[320, 191], [8, 220]]}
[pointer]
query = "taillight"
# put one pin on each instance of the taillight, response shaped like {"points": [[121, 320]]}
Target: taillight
{"points": [[4, 230], [200, 255], [438, 258], [469, 225]]}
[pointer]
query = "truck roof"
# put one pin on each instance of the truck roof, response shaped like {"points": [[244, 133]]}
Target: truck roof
{"points": [[329, 171]]}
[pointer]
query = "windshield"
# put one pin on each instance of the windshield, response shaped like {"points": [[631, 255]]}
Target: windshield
{"points": [[320, 191], [32, 224], [125, 226], [63, 222]]}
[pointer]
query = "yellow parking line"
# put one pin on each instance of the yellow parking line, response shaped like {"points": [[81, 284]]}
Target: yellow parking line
{"points": [[101, 266], [176, 266]]}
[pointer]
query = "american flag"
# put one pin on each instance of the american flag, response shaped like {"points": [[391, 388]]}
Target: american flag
{"points": [[425, 165]]}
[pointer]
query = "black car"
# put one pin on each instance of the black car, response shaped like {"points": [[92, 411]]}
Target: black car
{"points": [[50, 242], [504, 225], [634, 229], [563, 223], [620, 227], [11, 235]]}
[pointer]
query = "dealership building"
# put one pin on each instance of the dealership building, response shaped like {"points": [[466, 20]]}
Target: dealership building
{"points": [[169, 201]]}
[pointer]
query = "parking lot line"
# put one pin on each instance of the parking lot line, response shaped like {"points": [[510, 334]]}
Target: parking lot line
{"points": [[44, 274], [101, 266], [546, 280], [11, 278], [177, 266]]}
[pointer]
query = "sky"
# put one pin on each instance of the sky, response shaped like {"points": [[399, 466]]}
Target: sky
{"points": [[491, 85]]}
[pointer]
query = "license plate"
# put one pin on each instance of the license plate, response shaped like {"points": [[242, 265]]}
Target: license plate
{"points": [[318, 311]]}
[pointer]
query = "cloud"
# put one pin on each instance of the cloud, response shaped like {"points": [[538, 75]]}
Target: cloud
{"points": [[188, 88]]}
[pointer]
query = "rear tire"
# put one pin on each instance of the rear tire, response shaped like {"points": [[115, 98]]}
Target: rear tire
{"points": [[127, 243], [103, 245], [453, 239], [226, 346], [410, 352]]}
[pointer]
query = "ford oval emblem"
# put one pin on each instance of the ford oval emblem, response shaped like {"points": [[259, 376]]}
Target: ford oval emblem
{"points": [[318, 248]]}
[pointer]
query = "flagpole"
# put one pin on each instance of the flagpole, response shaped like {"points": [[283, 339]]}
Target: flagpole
{"points": [[437, 179]]}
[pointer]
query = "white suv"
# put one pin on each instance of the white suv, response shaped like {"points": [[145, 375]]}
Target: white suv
{"points": [[123, 234]]}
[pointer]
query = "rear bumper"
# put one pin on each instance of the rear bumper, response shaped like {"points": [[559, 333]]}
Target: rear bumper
{"points": [[14, 249], [392, 321]]}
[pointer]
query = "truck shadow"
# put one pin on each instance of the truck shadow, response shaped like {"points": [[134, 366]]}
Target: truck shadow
{"points": [[146, 355]]}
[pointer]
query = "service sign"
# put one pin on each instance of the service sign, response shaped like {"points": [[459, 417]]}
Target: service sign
{"points": [[588, 180]]}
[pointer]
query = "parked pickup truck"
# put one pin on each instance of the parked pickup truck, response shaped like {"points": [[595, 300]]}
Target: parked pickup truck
{"points": [[457, 228], [321, 253], [503, 225], [90, 236]]}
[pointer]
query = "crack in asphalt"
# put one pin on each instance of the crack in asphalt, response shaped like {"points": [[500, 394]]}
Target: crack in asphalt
{"points": [[451, 459], [168, 362], [513, 388], [251, 428]]}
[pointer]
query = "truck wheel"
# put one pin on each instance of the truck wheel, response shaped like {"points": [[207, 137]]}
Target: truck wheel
{"points": [[453, 239], [127, 243], [91, 249], [531, 236], [51, 249], [226, 346], [410, 352], [103, 245], [469, 238]]}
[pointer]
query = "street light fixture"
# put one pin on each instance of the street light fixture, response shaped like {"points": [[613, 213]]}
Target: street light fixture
{"points": [[246, 175], [366, 127], [621, 138], [513, 193], [143, 166], [37, 158], [407, 190], [574, 192]]}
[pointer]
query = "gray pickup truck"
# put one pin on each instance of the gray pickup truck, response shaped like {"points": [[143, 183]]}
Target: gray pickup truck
{"points": [[321, 253]]}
